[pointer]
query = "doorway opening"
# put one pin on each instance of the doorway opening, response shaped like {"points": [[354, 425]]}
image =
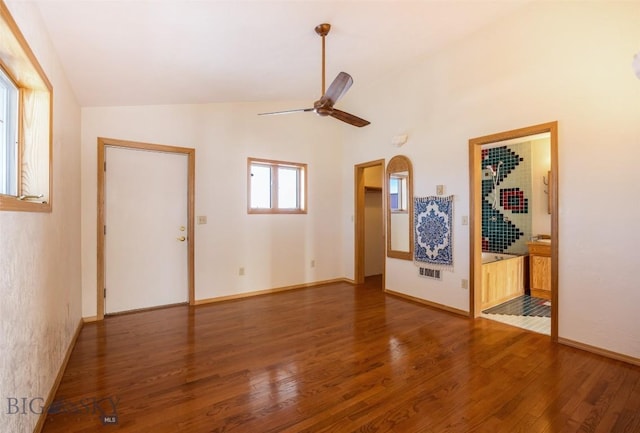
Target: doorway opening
{"points": [[514, 228], [182, 234], [369, 224]]}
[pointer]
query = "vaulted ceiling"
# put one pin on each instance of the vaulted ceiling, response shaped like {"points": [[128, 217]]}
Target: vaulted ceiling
{"points": [[181, 51]]}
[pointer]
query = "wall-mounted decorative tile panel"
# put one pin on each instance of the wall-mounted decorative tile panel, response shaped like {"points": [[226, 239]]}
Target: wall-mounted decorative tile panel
{"points": [[506, 191]]}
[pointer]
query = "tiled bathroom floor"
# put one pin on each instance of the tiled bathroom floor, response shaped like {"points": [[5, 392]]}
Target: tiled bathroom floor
{"points": [[524, 312], [524, 305]]}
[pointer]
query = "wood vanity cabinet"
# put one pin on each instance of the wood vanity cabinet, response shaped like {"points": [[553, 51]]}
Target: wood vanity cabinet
{"points": [[540, 269]]}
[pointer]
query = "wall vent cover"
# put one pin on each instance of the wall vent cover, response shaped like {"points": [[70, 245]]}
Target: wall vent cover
{"points": [[434, 274]]}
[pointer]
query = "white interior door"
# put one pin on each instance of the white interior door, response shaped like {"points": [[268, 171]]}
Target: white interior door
{"points": [[146, 229]]}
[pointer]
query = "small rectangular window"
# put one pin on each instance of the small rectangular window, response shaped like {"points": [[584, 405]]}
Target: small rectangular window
{"points": [[276, 186], [26, 104], [8, 135]]}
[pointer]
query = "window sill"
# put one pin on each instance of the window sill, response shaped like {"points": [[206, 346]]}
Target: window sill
{"points": [[10, 203], [276, 211]]}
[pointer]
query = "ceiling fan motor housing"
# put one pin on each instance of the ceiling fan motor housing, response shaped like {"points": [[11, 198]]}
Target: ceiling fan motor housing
{"points": [[323, 107]]}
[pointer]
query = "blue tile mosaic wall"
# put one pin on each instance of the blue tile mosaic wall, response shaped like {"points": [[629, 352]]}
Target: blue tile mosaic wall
{"points": [[506, 192]]}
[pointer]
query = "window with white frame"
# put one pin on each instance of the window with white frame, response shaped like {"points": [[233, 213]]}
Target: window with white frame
{"points": [[8, 135], [276, 186]]}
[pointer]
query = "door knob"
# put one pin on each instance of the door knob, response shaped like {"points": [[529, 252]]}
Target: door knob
{"points": [[181, 238]]}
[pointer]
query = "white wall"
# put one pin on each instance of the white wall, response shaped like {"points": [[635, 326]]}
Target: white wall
{"points": [[40, 253], [564, 61], [275, 250]]}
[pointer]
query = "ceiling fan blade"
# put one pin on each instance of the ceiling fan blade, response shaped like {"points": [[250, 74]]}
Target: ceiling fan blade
{"points": [[338, 88], [349, 118], [299, 110]]}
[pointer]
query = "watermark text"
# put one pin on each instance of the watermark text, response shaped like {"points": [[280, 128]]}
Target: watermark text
{"points": [[105, 407]]}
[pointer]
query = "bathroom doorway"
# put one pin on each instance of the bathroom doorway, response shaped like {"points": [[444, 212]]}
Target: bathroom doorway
{"points": [[514, 228]]}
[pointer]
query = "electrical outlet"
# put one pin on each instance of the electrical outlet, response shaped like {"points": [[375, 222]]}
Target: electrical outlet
{"points": [[241, 271], [440, 189], [313, 263], [465, 220], [464, 284]]}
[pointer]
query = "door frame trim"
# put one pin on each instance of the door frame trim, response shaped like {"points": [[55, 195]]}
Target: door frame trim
{"points": [[103, 143], [475, 232], [359, 256]]}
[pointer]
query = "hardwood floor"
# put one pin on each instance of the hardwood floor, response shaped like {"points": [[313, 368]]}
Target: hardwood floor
{"points": [[336, 358]]}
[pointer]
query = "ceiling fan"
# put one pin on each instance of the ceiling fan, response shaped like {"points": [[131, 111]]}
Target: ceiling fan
{"points": [[337, 89]]}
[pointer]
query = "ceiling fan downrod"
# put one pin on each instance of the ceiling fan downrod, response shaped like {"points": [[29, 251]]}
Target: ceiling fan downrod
{"points": [[323, 30]]}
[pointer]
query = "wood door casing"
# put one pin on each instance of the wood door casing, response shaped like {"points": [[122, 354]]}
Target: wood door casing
{"points": [[100, 259], [475, 222]]}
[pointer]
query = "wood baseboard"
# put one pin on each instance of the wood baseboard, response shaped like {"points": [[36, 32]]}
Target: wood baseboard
{"points": [[270, 291], [544, 294], [599, 351], [429, 303], [90, 319], [56, 383]]}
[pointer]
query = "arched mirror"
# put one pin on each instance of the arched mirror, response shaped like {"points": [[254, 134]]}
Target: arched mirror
{"points": [[399, 185]]}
